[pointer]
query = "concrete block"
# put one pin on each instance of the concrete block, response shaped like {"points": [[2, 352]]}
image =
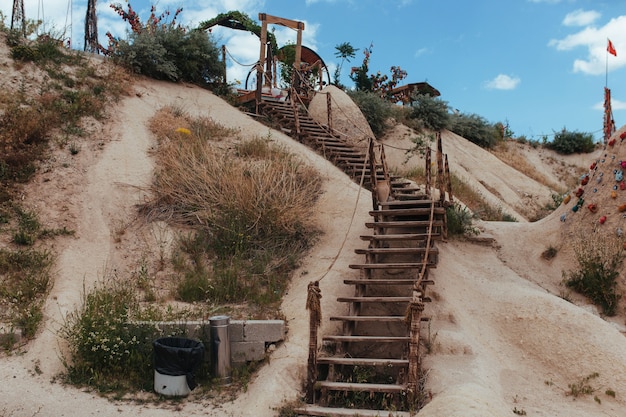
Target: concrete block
{"points": [[235, 330], [247, 351], [264, 330]]}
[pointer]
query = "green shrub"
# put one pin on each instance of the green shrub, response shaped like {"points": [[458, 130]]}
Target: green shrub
{"points": [[599, 260], [170, 52], [460, 220], [103, 343], [432, 111], [566, 142], [475, 128], [375, 109]]}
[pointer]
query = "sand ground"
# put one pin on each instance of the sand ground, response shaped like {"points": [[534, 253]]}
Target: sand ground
{"points": [[502, 338]]}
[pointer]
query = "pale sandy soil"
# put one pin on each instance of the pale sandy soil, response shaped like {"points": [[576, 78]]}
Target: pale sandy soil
{"points": [[502, 338]]}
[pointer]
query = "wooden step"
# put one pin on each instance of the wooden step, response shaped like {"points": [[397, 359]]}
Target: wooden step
{"points": [[397, 237], [418, 202], [392, 319], [385, 281], [404, 224], [394, 265], [362, 361], [374, 299], [357, 319], [356, 387], [413, 211], [319, 411], [396, 251]]}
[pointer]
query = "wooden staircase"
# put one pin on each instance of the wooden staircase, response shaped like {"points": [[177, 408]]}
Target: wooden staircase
{"points": [[372, 367]]}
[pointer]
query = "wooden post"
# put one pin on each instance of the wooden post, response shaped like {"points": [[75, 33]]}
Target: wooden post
{"points": [[315, 318], [329, 111], [224, 61], [373, 178], [440, 185], [415, 317], [449, 181], [427, 171], [259, 70]]}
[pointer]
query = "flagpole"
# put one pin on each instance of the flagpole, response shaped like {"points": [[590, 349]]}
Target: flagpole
{"points": [[606, 74]]}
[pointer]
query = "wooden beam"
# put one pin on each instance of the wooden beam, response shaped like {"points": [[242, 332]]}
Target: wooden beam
{"points": [[275, 20]]}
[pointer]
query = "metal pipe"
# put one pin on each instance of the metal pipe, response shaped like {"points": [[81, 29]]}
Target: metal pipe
{"points": [[220, 348]]}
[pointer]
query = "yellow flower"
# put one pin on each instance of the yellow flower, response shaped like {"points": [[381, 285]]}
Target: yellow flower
{"points": [[183, 130]]}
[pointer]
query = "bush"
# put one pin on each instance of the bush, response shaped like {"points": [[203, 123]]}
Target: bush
{"points": [[431, 110], [460, 220], [171, 54], [103, 343], [252, 208], [475, 129], [566, 142], [599, 259], [375, 109]]}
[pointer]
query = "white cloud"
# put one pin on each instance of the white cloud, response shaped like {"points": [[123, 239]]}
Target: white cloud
{"points": [[581, 18], [594, 39], [503, 82], [615, 105], [420, 52]]}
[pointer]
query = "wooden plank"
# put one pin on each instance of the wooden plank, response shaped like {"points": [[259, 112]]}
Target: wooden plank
{"points": [[396, 265], [412, 211], [368, 318], [390, 281], [373, 299], [353, 386], [399, 236], [362, 361], [404, 223], [396, 251], [371, 339], [404, 203], [319, 411]]}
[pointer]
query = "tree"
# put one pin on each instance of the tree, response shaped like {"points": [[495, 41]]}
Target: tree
{"points": [[376, 83], [345, 52], [163, 49]]}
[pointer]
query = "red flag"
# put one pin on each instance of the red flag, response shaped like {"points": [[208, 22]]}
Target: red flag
{"points": [[611, 50]]}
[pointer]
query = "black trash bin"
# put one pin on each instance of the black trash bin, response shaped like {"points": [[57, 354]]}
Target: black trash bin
{"points": [[175, 361]]}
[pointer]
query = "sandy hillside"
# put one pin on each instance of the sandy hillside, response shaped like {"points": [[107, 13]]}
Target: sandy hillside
{"points": [[502, 339]]}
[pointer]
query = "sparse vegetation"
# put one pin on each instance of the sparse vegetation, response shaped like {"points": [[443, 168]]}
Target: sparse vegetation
{"points": [[250, 209], [599, 260], [375, 109], [566, 142], [582, 387], [460, 221], [165, 50]]}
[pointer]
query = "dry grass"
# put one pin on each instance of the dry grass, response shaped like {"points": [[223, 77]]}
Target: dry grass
{"points": [[514, 159], [250, 205]]}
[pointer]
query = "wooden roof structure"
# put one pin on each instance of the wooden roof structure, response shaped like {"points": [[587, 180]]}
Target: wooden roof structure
{"points": [[404, 92]]}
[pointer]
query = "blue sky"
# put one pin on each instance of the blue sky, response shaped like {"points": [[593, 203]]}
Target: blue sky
{"points": [[539, 65]]}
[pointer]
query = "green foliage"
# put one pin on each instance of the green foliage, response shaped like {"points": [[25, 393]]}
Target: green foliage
{"points": [[171, 54], [475, 129], [24, 283], [104, 344], [44, 49], [344, 51], [566, 142], [582, 387], [460, 220], [375, 83], [167, 51], [432, 111], [240, 19], [599, 260], [375, 109], [251, 205]]}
